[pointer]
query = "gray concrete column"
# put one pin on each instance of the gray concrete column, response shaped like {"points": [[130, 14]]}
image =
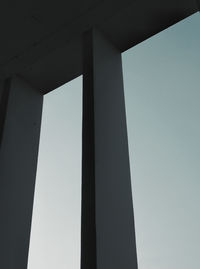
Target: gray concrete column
{"points": [[108, 237], [20, 118]]}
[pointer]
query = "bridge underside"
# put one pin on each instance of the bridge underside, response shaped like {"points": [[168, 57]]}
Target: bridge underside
{"points": [[41, 40], [43, 46]]}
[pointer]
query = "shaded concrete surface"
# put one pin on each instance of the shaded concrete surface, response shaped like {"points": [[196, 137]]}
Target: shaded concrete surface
{"points": [[21, 108], [108, 239]]}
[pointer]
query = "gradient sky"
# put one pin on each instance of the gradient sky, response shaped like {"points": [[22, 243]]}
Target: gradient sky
{"points": [[162, 93]]}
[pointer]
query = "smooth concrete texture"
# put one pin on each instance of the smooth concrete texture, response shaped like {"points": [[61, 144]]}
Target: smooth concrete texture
{"points": [[21, 108], [161, 78], [108, 239], [1, 88], [41, 40]]}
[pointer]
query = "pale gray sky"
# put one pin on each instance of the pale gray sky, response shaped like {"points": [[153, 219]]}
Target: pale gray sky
{"points": [[161, 77], [162, 92]]}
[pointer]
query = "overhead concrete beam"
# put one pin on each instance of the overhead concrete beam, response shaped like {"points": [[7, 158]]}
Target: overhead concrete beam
{"points": [[43, 45]]}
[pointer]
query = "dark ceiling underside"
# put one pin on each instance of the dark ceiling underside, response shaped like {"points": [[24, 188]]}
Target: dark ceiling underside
{"points": [[41, 40]]}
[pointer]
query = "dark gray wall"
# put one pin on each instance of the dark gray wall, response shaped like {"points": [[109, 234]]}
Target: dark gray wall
{"points": [[20, 130], [44, 36]]}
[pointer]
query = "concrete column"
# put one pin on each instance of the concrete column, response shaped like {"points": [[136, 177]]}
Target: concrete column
{"points": [[20, 118], [108, 237], [198, 4]]}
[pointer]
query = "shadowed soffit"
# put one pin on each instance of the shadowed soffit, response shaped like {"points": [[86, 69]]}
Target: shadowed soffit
{"points": [[41, 40]]}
